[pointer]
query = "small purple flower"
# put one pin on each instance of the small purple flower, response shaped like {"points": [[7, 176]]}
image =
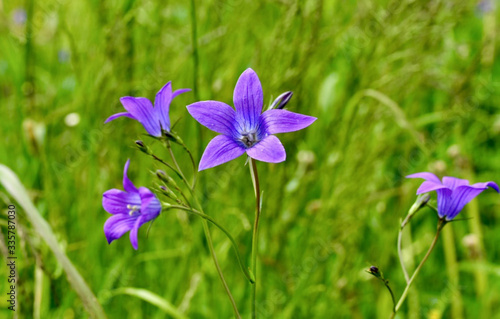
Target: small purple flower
{"points": [[452, 193], [19, 16], [63, 56], [246, 129], [130, 208], [154, 119], [485, 6]]}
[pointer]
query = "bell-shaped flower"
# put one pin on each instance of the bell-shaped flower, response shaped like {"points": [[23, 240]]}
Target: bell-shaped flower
{"points": [[452, 193], [130, 209], [155, 119]]}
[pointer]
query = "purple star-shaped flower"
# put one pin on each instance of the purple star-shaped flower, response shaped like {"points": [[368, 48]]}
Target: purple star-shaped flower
{"points": [[130, 208], [246, 129], [452, 193], [154, 119]]}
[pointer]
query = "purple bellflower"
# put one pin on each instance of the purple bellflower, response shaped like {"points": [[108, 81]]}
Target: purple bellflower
{"points": [[452, 193], [247, 129], [130, 209], [154, 119]]}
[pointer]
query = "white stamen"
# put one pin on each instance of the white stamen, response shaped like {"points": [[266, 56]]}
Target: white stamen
{"points": [[133, 209]]}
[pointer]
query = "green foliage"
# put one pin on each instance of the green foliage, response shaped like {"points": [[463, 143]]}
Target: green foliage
{"points": [[398, 87]]}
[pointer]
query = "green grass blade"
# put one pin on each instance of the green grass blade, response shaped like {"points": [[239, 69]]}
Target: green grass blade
{"points": [[14, 187], [152, 298]]}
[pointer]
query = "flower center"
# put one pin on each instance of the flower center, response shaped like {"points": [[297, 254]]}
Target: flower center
{"points": [[133, 209], [249, 139]]}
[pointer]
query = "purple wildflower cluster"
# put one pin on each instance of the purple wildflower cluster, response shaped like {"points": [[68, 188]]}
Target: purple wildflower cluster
{"points": [[245, 129]]}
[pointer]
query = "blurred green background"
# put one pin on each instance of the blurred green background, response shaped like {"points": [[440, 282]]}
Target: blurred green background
{"points": [[398, 86]]}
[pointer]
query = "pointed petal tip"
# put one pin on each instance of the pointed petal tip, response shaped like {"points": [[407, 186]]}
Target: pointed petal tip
{"points": [[425, 175], [494, 186], [109, 239], [128, 185], [117, 115], [278, 121], [127, 164], [134, 233]]}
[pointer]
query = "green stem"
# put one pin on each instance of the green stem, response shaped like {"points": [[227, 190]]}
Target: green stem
{"points": [[195, 171], [233, 242], [169, 147], [196, 65], [206, 229], [400, 255], [440, 226], [386, 283], [219, 270], [256, 187], [166, 164]]}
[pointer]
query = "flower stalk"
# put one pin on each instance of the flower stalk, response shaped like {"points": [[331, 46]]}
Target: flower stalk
{"points": [[373, 270], [208, 236], [190, 210], [255, 240], [442, 222], [420, 203]]}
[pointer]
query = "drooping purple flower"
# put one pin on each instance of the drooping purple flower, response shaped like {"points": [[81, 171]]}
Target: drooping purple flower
{"points": [[452, 193], [130, 209], [247, 129], [154, 119]]}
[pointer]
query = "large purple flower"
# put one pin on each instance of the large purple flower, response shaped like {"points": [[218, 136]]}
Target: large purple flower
{"points": [[154, 119], [130, 208], [246, 129], [452, 193]]}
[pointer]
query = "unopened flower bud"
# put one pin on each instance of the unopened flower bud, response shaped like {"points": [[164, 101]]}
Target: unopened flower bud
{"points": [[373, 270], [165, 178], [421, 201], [282, 100], [142, 147], [168, 192]]}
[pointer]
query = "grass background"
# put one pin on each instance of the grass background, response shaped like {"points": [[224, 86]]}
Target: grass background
{"points": [[398, 86]]}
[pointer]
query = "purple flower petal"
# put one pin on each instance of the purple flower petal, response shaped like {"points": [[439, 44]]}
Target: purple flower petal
{"points": [[133, 232], [162, 105], [117, 115], [217, 116], [248, 99], [127, 183], [486, 185], [178, 92], [460, 197], [150, 206], [142, 110], [428, 186], [117, 225], [453, 182], [427, 176], [115, 201], [283, 121], [268, 150], [221, 149], [452, 194], [443, 198]]}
